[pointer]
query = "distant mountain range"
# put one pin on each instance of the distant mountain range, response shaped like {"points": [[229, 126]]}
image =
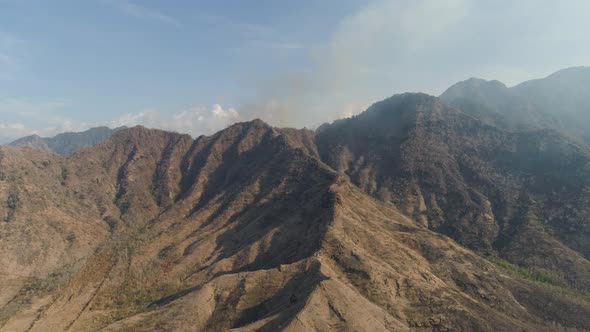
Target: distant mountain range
{"points": [[66, 143], [560, 101], [469, 212]]}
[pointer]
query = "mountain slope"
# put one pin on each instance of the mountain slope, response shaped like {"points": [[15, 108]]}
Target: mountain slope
{"points": [[33, 141], [523, 196], [560, 101], [66, 143], [496, 104], [248, 230], [564, 94], [46, 232]]}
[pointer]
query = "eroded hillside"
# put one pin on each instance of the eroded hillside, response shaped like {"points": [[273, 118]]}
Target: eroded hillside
{"points": [[247, 229]]}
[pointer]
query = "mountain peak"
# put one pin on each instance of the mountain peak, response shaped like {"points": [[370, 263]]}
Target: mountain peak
{"points": [[479, 82], [408, 101], [262, 228], [394, 116], [253, 124], [66, 143], [414, 102], [482, 89], [571, 71], [145, 137]]}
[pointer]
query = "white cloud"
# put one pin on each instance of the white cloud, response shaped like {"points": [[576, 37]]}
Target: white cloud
{"points": [[143, 12], [12, 131], [366, 58], [379, 50], [388, 47], [27, 112], [351, 109], [195, 121]]}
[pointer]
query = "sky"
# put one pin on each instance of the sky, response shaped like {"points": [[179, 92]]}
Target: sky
{"points": [[197, 66]]}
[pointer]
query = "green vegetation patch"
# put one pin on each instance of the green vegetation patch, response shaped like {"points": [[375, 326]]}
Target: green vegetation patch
{"points": [[521, 271]]}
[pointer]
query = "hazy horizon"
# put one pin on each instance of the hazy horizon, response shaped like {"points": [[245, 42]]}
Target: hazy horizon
{"points": [[195, 67], [225, 118]]}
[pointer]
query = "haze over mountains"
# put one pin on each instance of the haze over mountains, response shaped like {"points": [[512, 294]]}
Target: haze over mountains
{"points": [[469, 212], [66, 143], [560, 101]]}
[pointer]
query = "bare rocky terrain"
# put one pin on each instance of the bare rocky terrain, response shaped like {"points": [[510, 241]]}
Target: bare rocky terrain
{"points": [[413, 216]]}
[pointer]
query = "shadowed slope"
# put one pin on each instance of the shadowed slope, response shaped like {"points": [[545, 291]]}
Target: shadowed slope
{"points": [[247, 230], [493, 191], [375, 270], [560, 101]]}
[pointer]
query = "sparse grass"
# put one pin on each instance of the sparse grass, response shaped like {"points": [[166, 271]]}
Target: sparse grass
{"points": [[521, 271], [135, 297], [33, 287], [573, 294], [37, 286]]}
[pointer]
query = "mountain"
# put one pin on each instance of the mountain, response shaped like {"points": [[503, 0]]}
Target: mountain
{"points": [[263, 229], [496, 104], [32, 141], [560, 101], [522, 196], [66, 143], [564, 94]]}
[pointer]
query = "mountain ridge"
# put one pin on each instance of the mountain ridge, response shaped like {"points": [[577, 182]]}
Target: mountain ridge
{"points": [[68, 142], [412, 216], [450, 154], [559, 101]]}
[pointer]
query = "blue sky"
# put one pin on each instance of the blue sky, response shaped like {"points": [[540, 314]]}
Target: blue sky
{"points": [[196, 66]]}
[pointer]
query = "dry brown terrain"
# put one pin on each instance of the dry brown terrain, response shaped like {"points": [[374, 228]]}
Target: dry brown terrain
{"points": [[245, 230]]}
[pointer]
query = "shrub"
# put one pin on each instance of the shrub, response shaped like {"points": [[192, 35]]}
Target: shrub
{"points": [[63, 175], [12, 203]]}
